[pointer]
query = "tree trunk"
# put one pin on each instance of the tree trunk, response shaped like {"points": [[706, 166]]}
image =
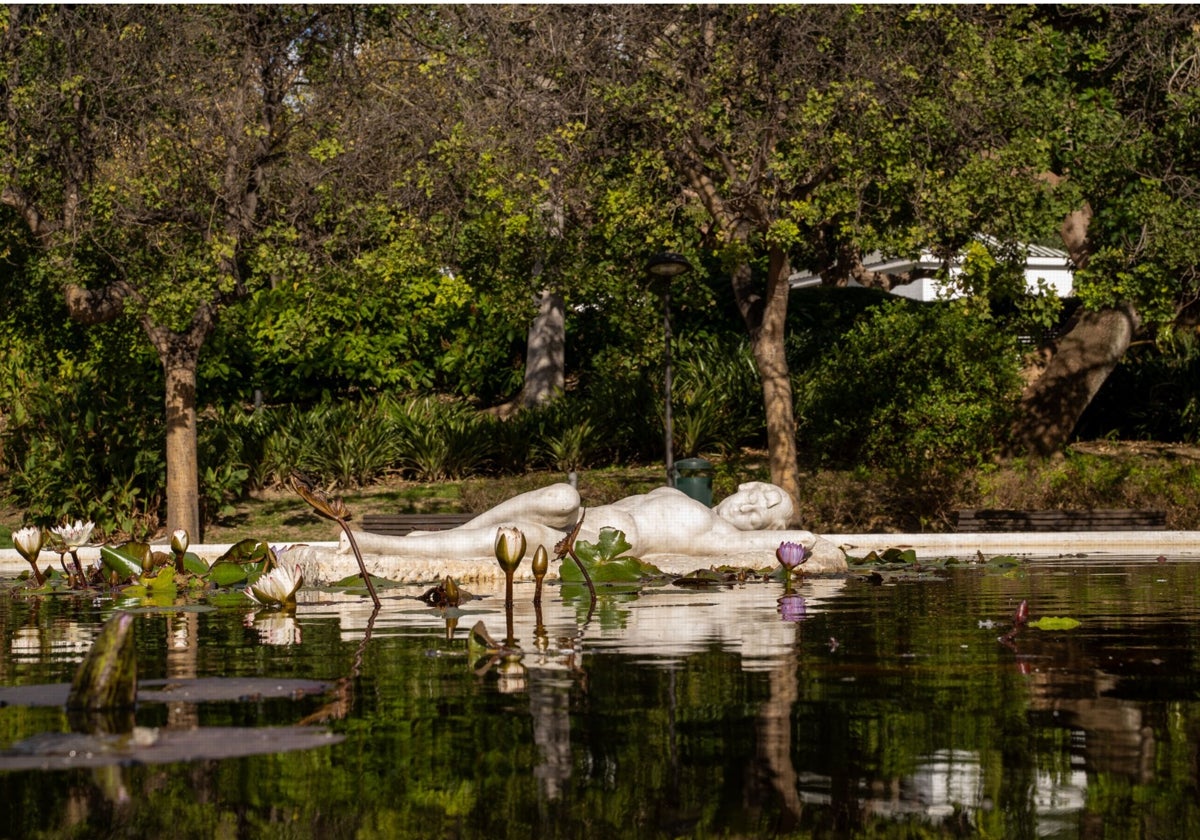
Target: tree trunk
{"points": [[179, 353], [1085, 356], [545, 361], [767, 326], [183, 472]]}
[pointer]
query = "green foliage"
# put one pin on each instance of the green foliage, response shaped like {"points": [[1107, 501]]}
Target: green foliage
{"points": [[920, 390], [716, 397], [81, 441], [606, 561], [1153, 394], [442, 439]]}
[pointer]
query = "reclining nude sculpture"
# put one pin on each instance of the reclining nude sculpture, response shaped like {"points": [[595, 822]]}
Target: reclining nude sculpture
{"points": [[665, 527]]}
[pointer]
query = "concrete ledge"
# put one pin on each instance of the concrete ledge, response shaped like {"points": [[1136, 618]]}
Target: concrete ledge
{"points": [[1171, 544], [1029, 544], [12, 563]]}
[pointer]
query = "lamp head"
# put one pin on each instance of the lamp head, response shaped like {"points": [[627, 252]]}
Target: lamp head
{"points": [[666, 265]]}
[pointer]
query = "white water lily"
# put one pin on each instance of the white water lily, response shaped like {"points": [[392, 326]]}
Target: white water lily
{"points": [[73, 536], [277, 588], [28, 542], [179, 540]]}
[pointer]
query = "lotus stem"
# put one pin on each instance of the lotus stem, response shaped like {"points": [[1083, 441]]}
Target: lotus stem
{"points": [[362, 567]]}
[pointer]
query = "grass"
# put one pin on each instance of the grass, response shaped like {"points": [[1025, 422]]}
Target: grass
{"points": [[832, 501]]}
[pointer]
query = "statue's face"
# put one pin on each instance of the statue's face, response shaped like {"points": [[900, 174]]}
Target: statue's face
{"points": [[756, 506]]}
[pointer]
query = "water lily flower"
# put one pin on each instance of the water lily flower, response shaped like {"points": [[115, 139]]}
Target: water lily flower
{"points": [[510, 548], [74, 536], [179, 540], [277, 588], [792, 554], [28, 542]]}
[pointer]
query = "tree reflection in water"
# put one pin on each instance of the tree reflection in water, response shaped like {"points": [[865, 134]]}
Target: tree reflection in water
{"points": [[671, 712]]}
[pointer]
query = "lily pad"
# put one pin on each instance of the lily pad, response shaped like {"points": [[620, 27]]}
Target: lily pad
{"points": [[606, 561], [226, 573], [60, 751], [126, 560], [1054, 622], [194, 564], [203, 690]]}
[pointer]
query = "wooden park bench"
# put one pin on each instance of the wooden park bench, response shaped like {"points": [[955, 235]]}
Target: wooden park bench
{"points": [[1112, 519], [400, 524]]}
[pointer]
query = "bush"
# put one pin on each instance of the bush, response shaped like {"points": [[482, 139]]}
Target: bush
{"points": [[442, 439], [923, 391], [717, 399], [82, 442]]}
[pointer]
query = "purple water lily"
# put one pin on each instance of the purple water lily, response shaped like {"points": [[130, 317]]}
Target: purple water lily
{"points": [[792, 554]]}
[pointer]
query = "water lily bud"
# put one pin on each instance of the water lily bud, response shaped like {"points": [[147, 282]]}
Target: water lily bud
{"points": [[28, 542], [541, 562], [791, 554], [451, 591], [510, 548], [179, 540]]}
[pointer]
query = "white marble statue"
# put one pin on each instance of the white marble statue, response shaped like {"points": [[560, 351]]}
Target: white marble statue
{"points": [[665, 527]]}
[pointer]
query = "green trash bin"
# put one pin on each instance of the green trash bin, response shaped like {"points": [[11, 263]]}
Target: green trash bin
{"points": [[694, 476]]}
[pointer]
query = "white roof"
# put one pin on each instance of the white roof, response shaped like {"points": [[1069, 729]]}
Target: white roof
{"points": [[1041, 263]]}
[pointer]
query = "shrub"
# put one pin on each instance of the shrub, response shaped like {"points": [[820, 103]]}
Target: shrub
{"points": [[922, 391], [442, 439], [717, 400], [81, 442]]}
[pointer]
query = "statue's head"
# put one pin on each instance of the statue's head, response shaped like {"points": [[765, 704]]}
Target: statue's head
{"points": [[757, 506]]}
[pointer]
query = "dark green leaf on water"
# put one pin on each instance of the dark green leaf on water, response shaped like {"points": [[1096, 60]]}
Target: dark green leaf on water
{"points": [[1003, 561], [606, 562], [225, 573], [609, 545], [899, 555], [228, 598], [356, 582], [194, 564], [889, 556], [126, 563], [708, 577], [246, 551]]}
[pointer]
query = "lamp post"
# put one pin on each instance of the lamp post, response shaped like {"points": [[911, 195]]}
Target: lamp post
{"points": [[663, 268]]}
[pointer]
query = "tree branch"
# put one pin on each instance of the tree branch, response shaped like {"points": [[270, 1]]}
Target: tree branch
{"points": [[95, 306]]}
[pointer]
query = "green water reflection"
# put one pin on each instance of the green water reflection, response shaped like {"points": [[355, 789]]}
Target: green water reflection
{"points": [[890, 710]]}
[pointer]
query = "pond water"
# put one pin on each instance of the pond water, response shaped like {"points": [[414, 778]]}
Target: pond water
{"points": [[893, 705]]}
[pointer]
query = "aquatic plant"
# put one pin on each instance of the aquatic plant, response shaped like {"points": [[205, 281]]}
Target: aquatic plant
{"points": [[510, 548], [791, 556], [69, 539], [277, 588], [179, 547], [336, 510], [541, 565], [28, 542]]}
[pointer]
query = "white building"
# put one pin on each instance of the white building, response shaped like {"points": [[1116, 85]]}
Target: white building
{"points": [[1047, 264]]}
